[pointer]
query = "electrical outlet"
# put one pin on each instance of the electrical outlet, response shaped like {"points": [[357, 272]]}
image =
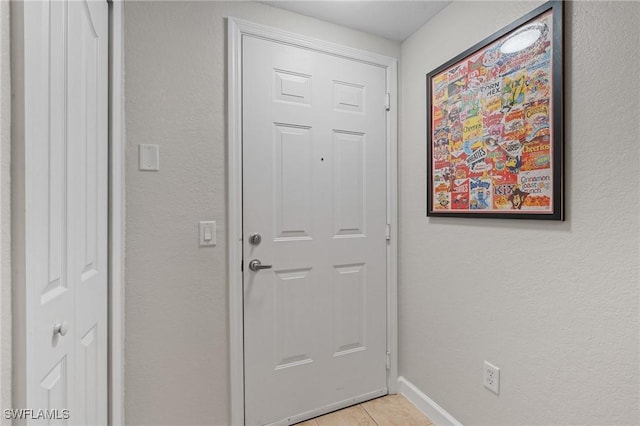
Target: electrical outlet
{"points": [[491, 377]]}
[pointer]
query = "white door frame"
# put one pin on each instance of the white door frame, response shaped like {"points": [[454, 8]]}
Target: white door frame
{"points": [[116, 227], [236, 30]]}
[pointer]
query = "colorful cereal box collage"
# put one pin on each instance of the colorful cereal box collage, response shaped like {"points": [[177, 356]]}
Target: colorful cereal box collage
{"points": [[491, 144]]}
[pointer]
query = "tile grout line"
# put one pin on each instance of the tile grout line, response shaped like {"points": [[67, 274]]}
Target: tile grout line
{"points": [[369, 414]]}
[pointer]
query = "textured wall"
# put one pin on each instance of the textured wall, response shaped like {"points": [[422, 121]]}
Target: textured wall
{"points": [[555, 305], [5, 210], [177, 367]]}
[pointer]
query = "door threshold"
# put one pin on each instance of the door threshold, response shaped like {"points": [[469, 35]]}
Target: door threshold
{"points": [[330, 408]]}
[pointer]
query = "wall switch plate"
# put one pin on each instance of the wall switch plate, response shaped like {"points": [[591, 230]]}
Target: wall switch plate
{"points": [[491, 377], [148, 157], [207, 232]]}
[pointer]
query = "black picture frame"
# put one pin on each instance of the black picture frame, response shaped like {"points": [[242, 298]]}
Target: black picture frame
{"points": [[519, 188]]}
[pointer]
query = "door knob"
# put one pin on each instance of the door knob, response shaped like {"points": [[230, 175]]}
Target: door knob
{"points": [[256, 265], [61, 328]]}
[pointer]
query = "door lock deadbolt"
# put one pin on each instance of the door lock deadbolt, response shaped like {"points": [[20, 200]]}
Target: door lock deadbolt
{"points": [[255, 239]]}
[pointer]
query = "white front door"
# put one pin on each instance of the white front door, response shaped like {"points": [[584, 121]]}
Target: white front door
{"points": [[66, 149], [314, 189]]}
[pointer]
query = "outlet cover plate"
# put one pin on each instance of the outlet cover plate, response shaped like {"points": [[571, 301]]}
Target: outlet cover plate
{"points": [[491, 377], [148, 157]]}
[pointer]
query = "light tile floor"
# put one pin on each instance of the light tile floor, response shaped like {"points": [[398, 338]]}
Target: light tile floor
{"points": [[390, 410]]}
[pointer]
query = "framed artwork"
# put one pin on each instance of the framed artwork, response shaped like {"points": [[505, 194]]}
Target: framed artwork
{"points": [[495, 124]]}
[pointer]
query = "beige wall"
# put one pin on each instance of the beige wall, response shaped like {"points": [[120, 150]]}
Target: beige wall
{"points": [[554, 305], [177, 362]]}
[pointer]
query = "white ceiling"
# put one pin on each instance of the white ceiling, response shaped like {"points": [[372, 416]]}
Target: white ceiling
{"points": [[391, 19]]}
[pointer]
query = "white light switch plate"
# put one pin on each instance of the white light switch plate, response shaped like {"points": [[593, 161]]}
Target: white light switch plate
{"points": [[148, 157], [207, 232]]}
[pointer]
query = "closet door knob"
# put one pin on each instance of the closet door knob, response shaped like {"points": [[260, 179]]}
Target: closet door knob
{"points": [[61, 328]]}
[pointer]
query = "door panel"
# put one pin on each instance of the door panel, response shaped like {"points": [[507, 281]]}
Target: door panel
{"points": [[348, 97], [293, 181], [349, 177], [88, 171], [54, 387], [66, 202], [349, 327], [57, 282], [49, 287], [89, 380], [314, 187], [294, 344]]}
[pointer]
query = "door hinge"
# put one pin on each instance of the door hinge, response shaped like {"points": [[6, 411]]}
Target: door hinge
{"points": [[242, 265], [387, 102], [388, 360], [388, 232]]}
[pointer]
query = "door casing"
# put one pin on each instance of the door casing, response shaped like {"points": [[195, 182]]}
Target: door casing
{"points": [[238, 28], [116, 228]]}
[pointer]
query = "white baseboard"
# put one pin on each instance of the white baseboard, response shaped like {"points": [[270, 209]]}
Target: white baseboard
{"points": [[428, 406]]}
